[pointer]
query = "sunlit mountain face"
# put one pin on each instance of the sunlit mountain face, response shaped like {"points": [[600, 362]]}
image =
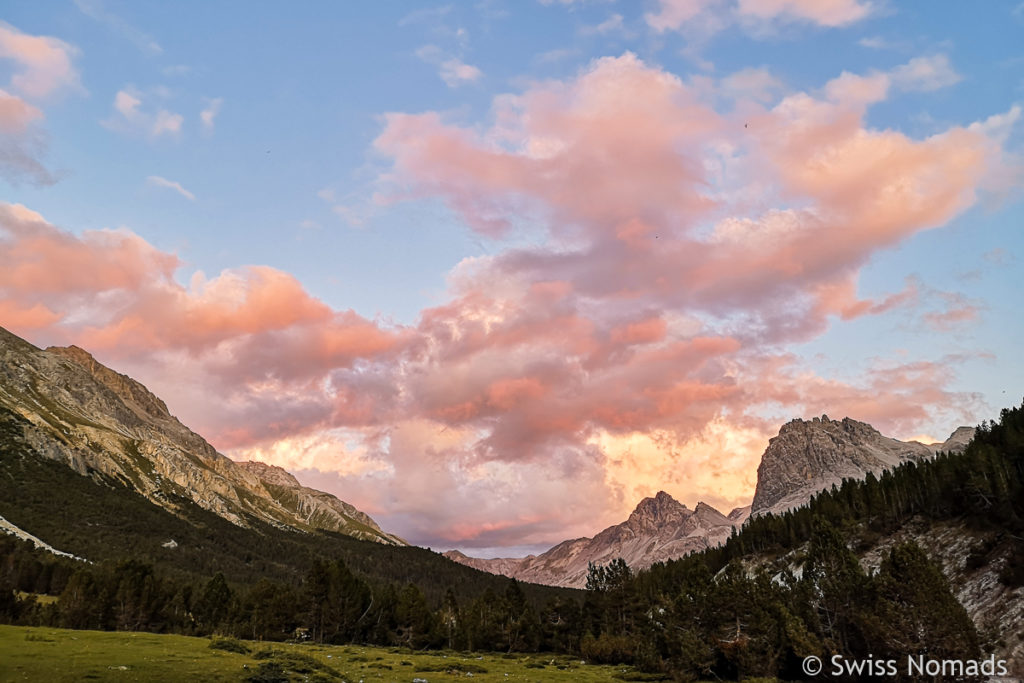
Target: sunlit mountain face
{"points": [[494, 273]]}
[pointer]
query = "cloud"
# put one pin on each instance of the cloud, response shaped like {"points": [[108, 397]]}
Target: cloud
{"points": [[556, 55], [45, 68], [428, 14], [925, 74], [209, 113], [22, 143], [874, 42], [95, 10], [714, 15], [756, 83], [166, 123], [640, 338], [452, 70], [454, 73], [46, 62], [613, 24], [823, 13], [253, 332], [131, 117], [171, 185], [957, 311]]}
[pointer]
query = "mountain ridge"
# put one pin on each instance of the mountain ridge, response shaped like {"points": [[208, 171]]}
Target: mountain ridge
{"points": [[659, 528], [96, 420]]}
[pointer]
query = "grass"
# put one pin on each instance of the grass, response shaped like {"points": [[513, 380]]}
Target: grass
{"points": [[49, 654]]}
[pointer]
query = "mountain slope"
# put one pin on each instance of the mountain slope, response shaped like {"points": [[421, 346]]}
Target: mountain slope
{"points": [[104, 520], [100, 422], [315, 508], [660, 528], [809, 456]]}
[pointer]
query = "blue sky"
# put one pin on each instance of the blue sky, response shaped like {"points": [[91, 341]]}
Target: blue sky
{"points": [[359, 151]]}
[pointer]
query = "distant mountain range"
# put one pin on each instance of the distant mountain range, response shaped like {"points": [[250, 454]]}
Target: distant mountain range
{"points": [[100, 422], [807, 457], [660, 528]]}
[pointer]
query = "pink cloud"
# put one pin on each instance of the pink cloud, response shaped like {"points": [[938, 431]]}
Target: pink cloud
{"points": [[712, 15], [821, 12], [44, 67], [584, 149], [16, 114], [681, 251], [115, 294], [46, 62]]}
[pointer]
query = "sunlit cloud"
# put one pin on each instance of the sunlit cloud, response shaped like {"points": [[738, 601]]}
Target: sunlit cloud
{"points": [[661, 245]]}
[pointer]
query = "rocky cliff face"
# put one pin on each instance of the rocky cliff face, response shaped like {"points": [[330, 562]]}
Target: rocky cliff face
{"points": [[660, 528], [809, 456], [102, 423], [315, 508]]}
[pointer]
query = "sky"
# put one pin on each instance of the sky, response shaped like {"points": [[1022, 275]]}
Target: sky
{"points": [[495, 271]]}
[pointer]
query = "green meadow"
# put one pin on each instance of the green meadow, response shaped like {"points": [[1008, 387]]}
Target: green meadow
{"points": [[48, 654]]}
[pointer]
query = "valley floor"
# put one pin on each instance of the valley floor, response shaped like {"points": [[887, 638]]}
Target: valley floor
{"points": [[48, 654]]}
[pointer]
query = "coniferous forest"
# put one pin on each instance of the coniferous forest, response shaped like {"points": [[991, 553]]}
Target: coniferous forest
{"points": [[783, 588]]}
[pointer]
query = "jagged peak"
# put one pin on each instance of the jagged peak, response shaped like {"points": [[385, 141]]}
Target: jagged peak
{"points": [[825, 423], [661, 500], [658, 508]]}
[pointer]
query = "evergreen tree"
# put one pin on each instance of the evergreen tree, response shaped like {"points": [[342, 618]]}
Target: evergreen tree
{"points": [[214, 606], [837, 583], [913, 612]]}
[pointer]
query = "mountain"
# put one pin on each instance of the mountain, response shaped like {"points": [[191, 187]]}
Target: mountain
{"points": [[660, 528], [809, 456], [104, 424]]}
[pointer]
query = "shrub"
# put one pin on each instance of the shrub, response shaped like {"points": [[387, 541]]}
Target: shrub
{"points": [[230, 645]]}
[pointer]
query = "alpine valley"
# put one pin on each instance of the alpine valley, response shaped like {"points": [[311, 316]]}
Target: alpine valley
{"points": [[131, 521]]}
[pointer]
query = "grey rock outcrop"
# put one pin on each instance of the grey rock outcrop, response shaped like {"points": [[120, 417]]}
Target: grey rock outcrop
{"points": [[809, 456]]}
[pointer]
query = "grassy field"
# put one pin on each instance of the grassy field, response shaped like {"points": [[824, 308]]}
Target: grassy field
{"points": [[47, 654]]}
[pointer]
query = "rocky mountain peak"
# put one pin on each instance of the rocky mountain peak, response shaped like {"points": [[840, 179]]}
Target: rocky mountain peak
{"points": [[657, 511], [809, 456], [660, 528]]}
